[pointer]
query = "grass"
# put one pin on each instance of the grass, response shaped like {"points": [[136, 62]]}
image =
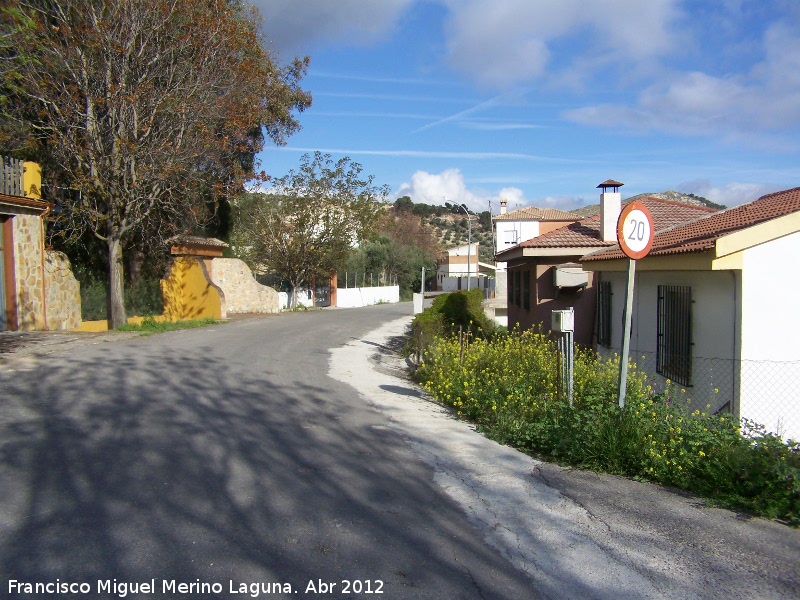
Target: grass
{"points": [[507, 385], [150, 325]]}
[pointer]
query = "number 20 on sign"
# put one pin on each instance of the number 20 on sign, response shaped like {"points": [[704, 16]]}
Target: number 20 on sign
{"points": [[635, 230]]}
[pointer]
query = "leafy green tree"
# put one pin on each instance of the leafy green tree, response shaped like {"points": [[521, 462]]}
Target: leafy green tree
{"points": [[144, 110], [400, 250], [404, 203], [311, 219]]}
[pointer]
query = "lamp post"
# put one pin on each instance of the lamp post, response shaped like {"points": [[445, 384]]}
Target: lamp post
{"points": [[469, 243]]}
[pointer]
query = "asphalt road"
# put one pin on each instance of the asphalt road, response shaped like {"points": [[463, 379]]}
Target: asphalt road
{"points": [[288, 453]]}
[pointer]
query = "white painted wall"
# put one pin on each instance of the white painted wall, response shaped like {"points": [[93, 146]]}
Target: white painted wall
{"points": [[713, 319], [765, 335], [511, 233], [771, 335], [304, 298], [357, 297]]}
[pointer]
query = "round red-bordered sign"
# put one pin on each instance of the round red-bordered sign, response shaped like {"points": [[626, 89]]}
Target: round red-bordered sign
{"points": [[635, 230]]}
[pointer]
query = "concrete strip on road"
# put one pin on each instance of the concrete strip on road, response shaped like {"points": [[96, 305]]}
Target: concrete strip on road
{"points": [[576, 534]]}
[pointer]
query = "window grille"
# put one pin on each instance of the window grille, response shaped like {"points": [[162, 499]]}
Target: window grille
{"points": [[604, 314], [526, 290], [517, 288], [674, 348]]}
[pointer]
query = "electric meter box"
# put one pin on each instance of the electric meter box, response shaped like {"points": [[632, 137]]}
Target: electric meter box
{"points": [[562, 320]]}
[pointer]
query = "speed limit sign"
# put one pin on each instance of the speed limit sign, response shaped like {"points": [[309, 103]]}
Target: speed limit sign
{"points": [[635, 230]]}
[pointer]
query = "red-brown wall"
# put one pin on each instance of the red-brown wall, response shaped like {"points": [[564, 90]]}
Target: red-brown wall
{"points": [[545, 298]]}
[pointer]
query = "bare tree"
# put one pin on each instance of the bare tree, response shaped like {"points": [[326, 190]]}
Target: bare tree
{"points": [[310, 221], [142, 106]]}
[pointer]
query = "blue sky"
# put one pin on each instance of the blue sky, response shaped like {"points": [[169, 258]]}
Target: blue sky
{"points": [[538, 101]]}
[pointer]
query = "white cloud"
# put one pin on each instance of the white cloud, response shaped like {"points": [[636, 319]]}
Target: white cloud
{"points": [[738, 106], [730, 194], [449, 186], [295, 27], [507, 42]]}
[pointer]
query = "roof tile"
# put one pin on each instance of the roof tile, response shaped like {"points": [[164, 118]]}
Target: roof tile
{"points": [[586, 232], [532, 213], [702, 234]]}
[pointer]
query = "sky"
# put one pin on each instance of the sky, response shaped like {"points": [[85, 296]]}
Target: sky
{"points": [[539, 101]]}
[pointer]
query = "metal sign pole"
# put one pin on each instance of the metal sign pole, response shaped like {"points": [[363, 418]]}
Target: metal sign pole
{"points": [[626, 334], [635, 236]]}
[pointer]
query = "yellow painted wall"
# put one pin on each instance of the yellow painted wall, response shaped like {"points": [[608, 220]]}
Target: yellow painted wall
{"points": [[189, 294], [98, 326], [32, 180]]}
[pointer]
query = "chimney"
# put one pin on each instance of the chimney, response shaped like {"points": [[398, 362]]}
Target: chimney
{"points": [[503, 203], [610, 207]]}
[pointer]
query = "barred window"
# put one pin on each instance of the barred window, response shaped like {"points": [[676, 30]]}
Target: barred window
{"points": [[674, 348], [517, 288], [526, 290], [604, 314]]}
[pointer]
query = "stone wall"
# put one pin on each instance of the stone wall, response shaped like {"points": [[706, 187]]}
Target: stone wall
{"points": [[243, 294], [28, 271], [63, 292]]}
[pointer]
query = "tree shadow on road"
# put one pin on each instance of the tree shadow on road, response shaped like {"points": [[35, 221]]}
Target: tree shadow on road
{"points": [[174, 468]]}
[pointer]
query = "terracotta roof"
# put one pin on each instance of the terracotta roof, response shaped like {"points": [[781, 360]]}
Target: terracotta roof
{"points": [[610, 183], [702, 234], [532, 213], [586, 233], [193, 240]]}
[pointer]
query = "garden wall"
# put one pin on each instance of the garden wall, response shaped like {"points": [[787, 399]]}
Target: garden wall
{"points": [[243, 294], [63, 292], [367, 296]]}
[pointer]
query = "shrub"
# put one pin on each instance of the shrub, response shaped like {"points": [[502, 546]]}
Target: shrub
{"points": [[460, 311], [507, 385], [142, 298]]}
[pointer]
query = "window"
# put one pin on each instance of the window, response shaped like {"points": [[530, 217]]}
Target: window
{"points": [[526, 290], [517, 288], [674, 344], [510, 287], [604, 314]]}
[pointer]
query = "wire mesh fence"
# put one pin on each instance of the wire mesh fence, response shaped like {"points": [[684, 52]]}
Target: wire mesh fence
{"points": [[764, 391], [365, 279]]}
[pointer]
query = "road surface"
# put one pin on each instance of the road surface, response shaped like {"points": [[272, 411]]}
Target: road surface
{"points": [[287, 457]]}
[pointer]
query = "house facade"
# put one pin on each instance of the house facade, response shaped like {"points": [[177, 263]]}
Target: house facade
{"points": [[544, 274], [37, 288], [454, 266], [714, 310], [511, 229]]}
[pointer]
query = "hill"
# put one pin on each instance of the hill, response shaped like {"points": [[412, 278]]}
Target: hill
{"points": [[588, 211], [449, 225]]}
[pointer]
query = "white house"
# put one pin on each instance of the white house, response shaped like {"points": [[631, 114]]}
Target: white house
{"points": [[716, 310]]}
